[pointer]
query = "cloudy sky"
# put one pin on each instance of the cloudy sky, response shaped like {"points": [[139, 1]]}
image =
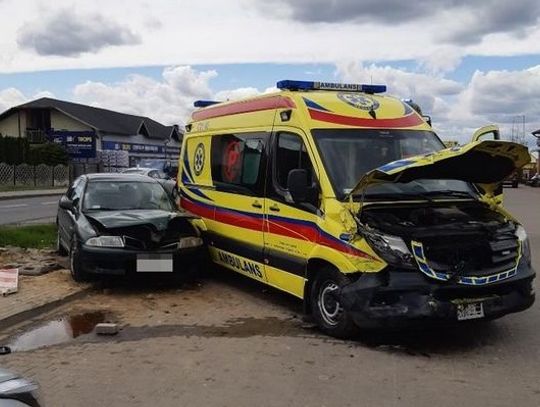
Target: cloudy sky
{"points": [[466, 62]]}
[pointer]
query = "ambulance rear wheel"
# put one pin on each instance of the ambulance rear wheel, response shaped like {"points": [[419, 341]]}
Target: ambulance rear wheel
{"points": [[328, 312]]}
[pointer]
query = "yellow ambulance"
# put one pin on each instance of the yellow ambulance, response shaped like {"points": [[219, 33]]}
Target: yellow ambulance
{"points": [[344, 197]]}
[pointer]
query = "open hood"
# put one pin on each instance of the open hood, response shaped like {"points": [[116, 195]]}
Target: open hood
{"points": [[486, 162]]}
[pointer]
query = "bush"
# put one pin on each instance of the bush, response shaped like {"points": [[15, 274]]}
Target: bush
{"points": [[48, 153], [14, 150]]}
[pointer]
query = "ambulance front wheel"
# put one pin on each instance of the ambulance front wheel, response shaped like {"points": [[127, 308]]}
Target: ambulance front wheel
{"points": [[328, 312]]}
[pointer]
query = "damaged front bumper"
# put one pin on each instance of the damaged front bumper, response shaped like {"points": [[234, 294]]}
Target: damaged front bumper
{"points": [[122, 261], [395, 298]]}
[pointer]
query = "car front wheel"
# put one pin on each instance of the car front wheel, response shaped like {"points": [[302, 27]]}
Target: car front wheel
{"points": [[331, 317], [77, 272], [59, 248]]}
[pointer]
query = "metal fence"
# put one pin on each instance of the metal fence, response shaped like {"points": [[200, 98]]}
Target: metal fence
{"points": [[34, 175], [44, 176]]}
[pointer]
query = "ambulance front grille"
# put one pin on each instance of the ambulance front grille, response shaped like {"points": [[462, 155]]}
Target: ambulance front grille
{"points": [[477, 257]]}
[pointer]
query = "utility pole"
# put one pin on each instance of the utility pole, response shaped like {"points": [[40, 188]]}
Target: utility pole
{"points": [[518, 129]]}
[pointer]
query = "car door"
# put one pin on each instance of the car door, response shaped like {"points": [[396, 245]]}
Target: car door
{"points": [[238, 172], [291, 229]]}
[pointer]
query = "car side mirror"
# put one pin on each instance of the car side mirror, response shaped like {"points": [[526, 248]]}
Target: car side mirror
{"points": [[297, 184], [66, 203]]}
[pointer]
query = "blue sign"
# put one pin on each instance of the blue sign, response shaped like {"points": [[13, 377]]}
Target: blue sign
{"points": [[138, 148], [78, 144]]}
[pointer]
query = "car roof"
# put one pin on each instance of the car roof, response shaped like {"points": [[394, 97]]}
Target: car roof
{"points": [[141, 169], [119, 177]]}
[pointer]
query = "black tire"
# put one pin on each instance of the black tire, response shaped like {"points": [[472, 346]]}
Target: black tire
{"points": [[59, 248], [329, 315], [75, 266]]}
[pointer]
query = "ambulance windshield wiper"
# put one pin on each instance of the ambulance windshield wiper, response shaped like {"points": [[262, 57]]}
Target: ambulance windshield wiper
{"points": [[395, 196], [451, 192]]}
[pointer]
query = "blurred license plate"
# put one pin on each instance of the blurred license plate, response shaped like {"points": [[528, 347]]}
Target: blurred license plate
{"points": [[470, 311], [154, 263]]}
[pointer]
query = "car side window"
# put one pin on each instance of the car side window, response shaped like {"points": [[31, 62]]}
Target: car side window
{"points": [[238, 162]]}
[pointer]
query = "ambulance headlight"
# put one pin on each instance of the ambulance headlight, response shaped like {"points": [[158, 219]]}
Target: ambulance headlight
{"points": [[392, 249], [524, 242]]}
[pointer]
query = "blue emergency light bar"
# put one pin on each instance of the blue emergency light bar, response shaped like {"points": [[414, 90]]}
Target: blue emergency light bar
{"points": [[311, 85], [205, 103]]}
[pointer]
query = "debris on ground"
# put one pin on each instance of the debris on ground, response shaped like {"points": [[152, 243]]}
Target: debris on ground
{"points": [[9, 281], [106, 329], [30, 262]]}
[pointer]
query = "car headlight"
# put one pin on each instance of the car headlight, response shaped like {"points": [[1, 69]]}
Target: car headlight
{"points": [[525, 244], [105, 241], [191, 241], [392, 249]]}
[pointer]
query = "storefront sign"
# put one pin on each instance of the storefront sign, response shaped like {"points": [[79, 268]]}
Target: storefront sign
{"points": [[78, 144]]}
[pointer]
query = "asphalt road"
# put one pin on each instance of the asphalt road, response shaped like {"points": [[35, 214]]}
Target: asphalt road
{"points": [[231, 342], [36, 209]]}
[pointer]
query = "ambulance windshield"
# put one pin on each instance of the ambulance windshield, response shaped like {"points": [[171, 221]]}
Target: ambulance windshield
{"points": [[350, 153]]}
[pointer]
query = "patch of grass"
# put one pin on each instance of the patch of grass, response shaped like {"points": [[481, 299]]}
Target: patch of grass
{"points": [[35, 236]]}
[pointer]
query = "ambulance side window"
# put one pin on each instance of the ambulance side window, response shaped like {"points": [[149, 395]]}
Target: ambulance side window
{"points": [[238, 163], [290, 153]]}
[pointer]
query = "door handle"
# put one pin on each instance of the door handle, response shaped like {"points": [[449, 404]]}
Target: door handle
{"points": [[274, 208], [256, 204]]}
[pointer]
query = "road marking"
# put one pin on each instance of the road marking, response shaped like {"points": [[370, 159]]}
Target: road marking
{"points": [[13, 206], [49, 203]]}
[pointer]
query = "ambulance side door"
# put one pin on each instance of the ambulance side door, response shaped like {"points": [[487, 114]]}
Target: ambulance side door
{"points": [[238, 173], [291, 229]]}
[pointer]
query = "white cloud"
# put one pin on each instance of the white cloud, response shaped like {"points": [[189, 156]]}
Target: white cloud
{"points": [[444, 59], [169, 100], [425, 89], [11, 97], [213, 31]]}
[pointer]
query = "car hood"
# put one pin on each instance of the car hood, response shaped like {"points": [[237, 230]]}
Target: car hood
{"points": [[117, 219], [6, 375], [486, 162]]}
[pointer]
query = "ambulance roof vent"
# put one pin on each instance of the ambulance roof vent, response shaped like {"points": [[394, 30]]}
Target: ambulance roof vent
{"points": [[205, 103], [350, 87]]}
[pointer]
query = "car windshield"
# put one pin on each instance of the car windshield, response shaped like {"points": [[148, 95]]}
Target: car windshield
{"points": [[125, 195], [350, 153]]}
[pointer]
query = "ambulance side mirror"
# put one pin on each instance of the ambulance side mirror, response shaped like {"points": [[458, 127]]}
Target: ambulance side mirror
{"points": [[297, 184]]}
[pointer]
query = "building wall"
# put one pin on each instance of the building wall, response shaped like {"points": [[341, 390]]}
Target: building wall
{"points": [[10, 125], [60, 121]]}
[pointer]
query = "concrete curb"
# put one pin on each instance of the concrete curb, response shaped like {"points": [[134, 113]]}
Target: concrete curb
{"points": [[43, 308], [31, 195]]}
